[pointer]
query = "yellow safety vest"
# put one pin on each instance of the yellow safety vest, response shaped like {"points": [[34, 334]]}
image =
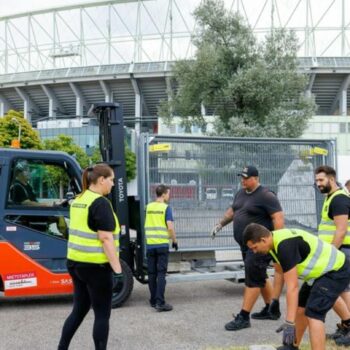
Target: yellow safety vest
{"points": [[155, 227], [83, 243], [327, 228], [323, 257]]}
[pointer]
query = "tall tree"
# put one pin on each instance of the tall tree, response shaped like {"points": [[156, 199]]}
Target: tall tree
{"points": [[253, 88], [9, 130], [66, 144], [130, 160]]}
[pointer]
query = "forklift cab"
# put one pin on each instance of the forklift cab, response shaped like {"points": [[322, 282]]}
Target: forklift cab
{"points": [[37, 188]]}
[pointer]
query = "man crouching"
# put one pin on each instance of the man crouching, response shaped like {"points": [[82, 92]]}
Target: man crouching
{"points": [[324, 269]]}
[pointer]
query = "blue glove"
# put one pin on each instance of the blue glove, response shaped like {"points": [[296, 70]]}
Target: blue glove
{"points": [[288, 329]]}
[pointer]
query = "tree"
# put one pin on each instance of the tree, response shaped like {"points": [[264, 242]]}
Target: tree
{"points": [[66, 144], [9, 131], [253, 88], [130, 161]]}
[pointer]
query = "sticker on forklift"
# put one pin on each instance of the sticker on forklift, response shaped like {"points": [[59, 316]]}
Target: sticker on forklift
{"points": [[31, 245], [11, 228], [160, 147], [320, 151], [20, 280]]}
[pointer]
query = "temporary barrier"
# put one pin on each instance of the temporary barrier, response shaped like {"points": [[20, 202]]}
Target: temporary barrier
{"points": [[202, 174]]}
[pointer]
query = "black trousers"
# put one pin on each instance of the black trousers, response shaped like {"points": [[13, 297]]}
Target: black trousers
{"points": [[157, 263], [93, 285]]}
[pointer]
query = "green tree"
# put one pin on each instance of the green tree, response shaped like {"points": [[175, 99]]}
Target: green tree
{"points": [[66, 144], [130, 161], [253, 88], [9, 131]]}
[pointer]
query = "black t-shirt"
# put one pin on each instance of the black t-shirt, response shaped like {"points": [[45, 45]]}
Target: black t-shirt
{"points": [[340, 205], [291, 252], [256, 207], [101, 215], [20, 192]]}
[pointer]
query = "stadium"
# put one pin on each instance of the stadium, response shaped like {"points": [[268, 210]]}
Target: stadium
{"points": [[56, 62]]}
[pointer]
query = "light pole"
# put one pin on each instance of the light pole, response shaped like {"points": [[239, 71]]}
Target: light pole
{"points": [[17, 144]]}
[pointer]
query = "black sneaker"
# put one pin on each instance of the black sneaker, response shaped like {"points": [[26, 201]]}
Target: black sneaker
{"points": [[237, 323], [343, 339], [274, 310], [341, 331], [164, 307], [266, 314], [287, 347], [262, 315]]}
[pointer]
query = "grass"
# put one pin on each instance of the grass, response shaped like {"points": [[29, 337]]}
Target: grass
{"points": [[329, 346]]}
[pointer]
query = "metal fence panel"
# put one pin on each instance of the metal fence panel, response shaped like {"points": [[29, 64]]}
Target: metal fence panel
{"points": [[202, 174]]}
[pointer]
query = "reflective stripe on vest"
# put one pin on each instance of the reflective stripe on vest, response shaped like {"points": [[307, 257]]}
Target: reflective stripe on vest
{"points": [[155, 227], [327, 228], [323, 257], [83, 243]]}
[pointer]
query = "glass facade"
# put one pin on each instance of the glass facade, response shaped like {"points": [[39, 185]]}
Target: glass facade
{"points": [[87, 137]]}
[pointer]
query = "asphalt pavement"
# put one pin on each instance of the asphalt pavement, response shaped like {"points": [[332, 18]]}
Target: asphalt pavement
{"points": [[201, 310]]}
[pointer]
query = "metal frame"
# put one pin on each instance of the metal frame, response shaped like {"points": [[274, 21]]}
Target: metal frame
{"points": [[124, 31]]}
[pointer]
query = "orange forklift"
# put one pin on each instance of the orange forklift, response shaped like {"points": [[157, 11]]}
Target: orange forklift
{"points": [[33, 238]]}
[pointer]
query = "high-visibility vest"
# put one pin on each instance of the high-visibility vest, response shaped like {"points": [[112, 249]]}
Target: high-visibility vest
{"points": [[156, 229], [322, 258], [83, 243], [327, 228]]}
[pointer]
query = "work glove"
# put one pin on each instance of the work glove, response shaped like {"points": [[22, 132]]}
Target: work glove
{"points": [[175, 246], [117, 278], [288, 329], [215, 230]]}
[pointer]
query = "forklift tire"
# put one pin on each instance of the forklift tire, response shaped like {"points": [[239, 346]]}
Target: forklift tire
{"points": [[122, 288]]}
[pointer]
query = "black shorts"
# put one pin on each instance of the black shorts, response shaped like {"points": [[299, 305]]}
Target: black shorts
{"points": [[255, 268], [319, 298]]}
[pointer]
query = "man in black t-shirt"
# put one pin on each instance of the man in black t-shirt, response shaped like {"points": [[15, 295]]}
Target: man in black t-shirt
{"points": [[21, 192], [334, 228], [324, 269], [254, 204]]}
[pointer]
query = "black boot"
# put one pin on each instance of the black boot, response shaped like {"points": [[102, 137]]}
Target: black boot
{"points": [[274, 310]]}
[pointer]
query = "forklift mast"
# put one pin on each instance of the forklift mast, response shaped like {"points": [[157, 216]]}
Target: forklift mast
{"points": [[110, 120]]}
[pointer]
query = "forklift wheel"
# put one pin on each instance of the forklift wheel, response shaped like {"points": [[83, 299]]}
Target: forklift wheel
{"points": [[122, 288]]}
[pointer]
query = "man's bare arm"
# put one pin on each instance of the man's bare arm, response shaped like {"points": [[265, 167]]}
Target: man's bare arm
{"points": [[171, 230], [341, 223], [291, 280], [278, 220], [227, 218]]}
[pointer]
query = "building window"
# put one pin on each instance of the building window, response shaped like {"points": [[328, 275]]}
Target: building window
{"points": [[342, 128]]}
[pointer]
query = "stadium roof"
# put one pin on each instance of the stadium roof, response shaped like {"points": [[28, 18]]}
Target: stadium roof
{"points": [[139, 88]]}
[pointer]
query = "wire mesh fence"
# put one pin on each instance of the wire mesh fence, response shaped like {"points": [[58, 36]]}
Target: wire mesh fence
{"points": [[202, 174]]}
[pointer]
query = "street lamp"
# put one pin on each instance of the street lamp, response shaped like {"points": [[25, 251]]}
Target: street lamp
{"points": [[18, 143]]}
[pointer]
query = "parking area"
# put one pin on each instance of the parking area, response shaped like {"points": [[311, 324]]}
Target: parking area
{"points": [[197, 322]]}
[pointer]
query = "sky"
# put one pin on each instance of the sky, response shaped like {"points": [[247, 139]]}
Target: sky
{"points": [[17, 6]]}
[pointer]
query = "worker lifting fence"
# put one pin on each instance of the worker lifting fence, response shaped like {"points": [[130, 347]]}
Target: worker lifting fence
{"points": [[202, 175]]}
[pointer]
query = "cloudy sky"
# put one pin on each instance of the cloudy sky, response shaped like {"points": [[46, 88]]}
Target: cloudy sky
{"points": [[11, 7]]}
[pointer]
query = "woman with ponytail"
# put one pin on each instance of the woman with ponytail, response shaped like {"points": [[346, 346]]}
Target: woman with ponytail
{"points": [[93, 255]]}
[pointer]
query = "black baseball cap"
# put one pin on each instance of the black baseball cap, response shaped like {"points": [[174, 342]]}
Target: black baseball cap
{"points": [[249, 171]]}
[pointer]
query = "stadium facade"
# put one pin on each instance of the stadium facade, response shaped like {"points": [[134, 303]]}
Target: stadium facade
{"points": [[56, 62]]}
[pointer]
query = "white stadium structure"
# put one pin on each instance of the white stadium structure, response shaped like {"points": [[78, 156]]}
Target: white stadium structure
{"points": [[56, 62]]}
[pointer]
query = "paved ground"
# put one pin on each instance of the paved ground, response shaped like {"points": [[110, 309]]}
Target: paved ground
{"points": [[197, 322]]}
